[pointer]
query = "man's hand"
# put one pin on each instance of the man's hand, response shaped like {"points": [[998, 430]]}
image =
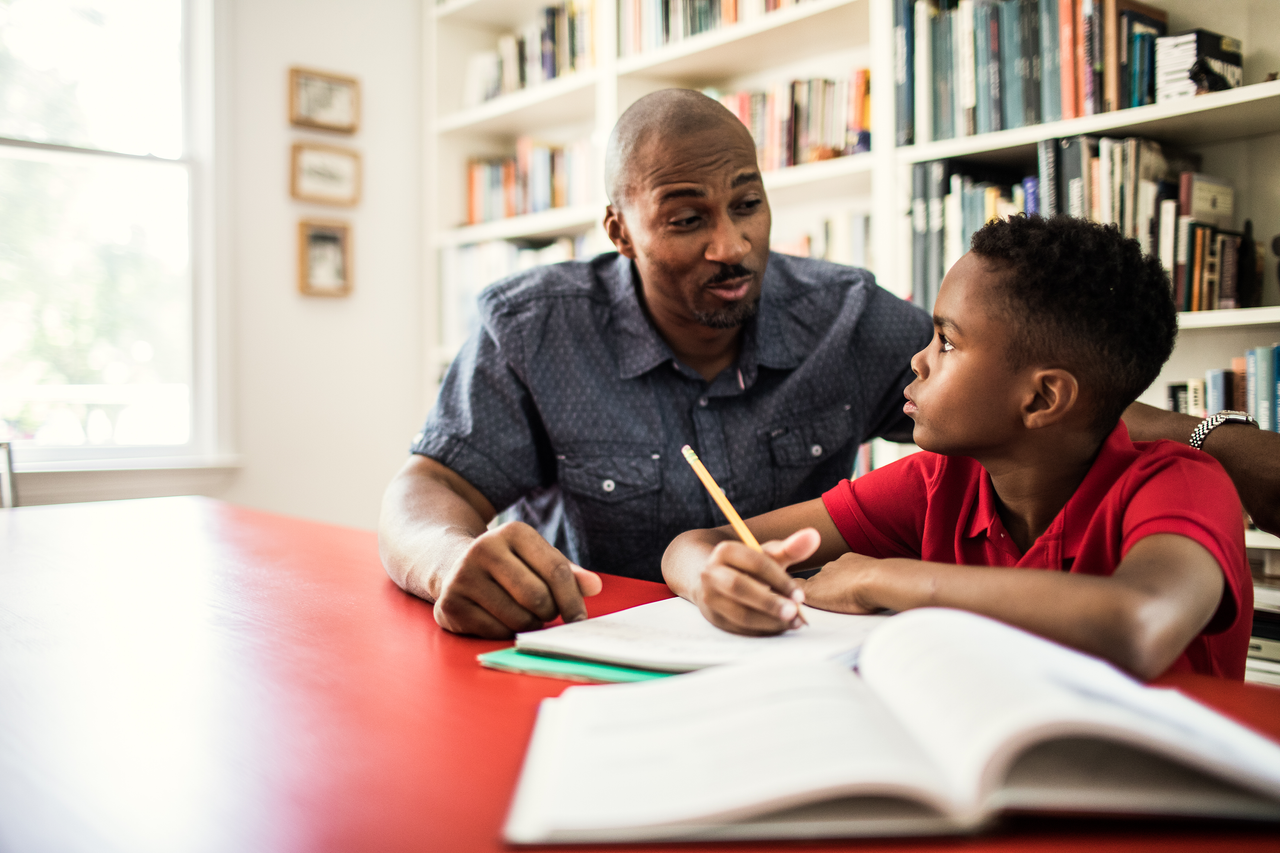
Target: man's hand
{"points": [[749, 592], [434, 542], [511, 579]]}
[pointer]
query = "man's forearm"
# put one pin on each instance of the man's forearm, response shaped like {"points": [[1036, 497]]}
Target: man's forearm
{"points": [[1250, 456], [424, 529]]}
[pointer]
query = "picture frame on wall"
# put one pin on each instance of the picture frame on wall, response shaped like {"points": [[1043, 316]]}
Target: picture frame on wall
{"points": [[325, 174], [324, 258], [324, 101]]}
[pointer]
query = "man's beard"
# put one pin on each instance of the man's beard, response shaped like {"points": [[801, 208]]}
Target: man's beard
{"points": [[730, 316]]}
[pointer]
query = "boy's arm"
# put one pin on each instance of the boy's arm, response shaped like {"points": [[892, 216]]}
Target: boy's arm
{"points": [[1250, 456], [1141, 618], [741, 590]]}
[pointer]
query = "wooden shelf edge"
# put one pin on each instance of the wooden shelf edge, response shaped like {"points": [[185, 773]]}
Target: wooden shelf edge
{"points": [[1129, 119], [647, 61], [556, 222], [822, 170], [1228, 318], [504, 105]]}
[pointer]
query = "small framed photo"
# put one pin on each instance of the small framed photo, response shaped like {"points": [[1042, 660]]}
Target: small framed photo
{"points": [[325, 101], [325, 174], [324, 258]]}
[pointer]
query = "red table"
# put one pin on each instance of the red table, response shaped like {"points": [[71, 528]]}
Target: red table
{"points": [[181, 674]]}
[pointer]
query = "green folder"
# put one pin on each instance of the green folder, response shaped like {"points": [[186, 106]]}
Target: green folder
{"points": [[513, 660]]}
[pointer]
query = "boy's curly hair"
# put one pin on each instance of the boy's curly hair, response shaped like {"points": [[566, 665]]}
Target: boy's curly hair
{"points": [[1081, 296]]}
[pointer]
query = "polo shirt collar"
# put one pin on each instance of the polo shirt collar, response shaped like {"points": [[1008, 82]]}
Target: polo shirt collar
{"points": [[1114, 457], [779, 336]]}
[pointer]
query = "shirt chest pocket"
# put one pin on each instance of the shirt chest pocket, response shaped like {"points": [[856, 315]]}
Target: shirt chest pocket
{"points": [[610, 488], [804, 444]]}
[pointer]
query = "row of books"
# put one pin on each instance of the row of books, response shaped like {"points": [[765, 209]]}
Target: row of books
{"points": [[965, 67], [649, 24], [538, 178], [559, 41], [1252, 384], [805, 120], [1150, 191], [467, 270]]}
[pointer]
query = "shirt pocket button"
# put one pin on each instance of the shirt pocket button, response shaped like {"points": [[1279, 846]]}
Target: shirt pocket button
{"points": [[815, 451], [608, 485]]}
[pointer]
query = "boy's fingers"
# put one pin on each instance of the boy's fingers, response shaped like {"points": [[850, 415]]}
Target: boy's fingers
{"points": [[743, 604], [796, 548], [760, 565]]}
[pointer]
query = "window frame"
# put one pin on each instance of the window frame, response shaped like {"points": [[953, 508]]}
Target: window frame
{"points": [[205, 74]]}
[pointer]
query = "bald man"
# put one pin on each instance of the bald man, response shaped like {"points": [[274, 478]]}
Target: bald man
{"points": [[571, 405]]}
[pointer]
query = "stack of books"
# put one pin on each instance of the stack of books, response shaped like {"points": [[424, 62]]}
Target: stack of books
{"points": [[1251, 384], [975, 66], [557, 42], [1177, 56], [805, 120], [538, 178]]}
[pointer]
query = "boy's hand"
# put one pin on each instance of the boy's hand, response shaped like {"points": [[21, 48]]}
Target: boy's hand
{"points": [[748, 592], [844, 585]]}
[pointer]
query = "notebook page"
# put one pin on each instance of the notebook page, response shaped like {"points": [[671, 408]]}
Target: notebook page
{"points": [[673, 636], [728, 742]]}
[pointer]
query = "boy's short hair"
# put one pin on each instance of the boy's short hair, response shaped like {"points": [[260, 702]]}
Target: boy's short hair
{"points": [[1081, 296]]}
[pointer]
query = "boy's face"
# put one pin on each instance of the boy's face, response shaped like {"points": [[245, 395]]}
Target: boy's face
{"points": [[965, 400]]}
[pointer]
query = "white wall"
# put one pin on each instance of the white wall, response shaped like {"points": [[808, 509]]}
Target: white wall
{"points": [[327, 392]]}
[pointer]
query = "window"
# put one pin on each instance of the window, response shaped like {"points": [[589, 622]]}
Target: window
{"points": [[97, 334]]}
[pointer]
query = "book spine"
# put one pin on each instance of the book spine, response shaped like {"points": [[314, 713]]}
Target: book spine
{"points": [[1216, 390], [925, 25], [1047, 166], [919, 233], [1069, 98], [1181, 260], [1051, 65], [1033, 61], [981, 64], [903, 67], [1265, 387], [1110, 58], [1275, 388], [1195, 398], [1011, 76], [1168, 235], [1251, 384], [965, 71], [1228, 270], [935, 190], [995, 80]]}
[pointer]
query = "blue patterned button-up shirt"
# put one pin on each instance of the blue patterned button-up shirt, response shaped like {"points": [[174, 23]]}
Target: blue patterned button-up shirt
{"points": [[569, 407]]}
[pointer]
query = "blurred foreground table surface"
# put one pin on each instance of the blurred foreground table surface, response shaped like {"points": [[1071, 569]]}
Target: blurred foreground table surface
{"points": [[181, 674]]}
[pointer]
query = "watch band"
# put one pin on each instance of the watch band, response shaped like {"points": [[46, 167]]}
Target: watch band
{"points": [[1209, 424]]}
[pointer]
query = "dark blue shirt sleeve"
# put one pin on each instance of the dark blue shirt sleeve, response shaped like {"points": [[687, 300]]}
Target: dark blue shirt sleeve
{"points": [[486, 428]]}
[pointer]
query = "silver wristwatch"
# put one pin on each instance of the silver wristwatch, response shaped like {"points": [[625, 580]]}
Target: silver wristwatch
{"points": [[1209, 424]]}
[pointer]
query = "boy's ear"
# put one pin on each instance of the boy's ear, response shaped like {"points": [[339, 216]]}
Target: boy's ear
{"points": [[1055, 394], [616, 228]]}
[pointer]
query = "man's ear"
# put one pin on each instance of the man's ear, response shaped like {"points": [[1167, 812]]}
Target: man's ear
{"points": [[616, 227], [1055, 394]]}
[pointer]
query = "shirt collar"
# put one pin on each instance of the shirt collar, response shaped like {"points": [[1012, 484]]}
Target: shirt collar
{"points": [[781, 334], [1114, 457]]}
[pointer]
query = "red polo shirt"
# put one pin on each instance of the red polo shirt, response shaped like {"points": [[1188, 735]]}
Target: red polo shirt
{"points": [[943, 509]]}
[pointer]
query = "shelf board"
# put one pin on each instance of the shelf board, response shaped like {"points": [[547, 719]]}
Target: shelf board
{"points": [[1264, 540], [557, 222], [806, 29], [826, 179], [498, 14], [560, 101], [1229, 318], [1215, 117]]}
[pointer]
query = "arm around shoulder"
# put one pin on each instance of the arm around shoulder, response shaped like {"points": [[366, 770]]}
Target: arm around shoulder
{"points": [[1250, 456]]}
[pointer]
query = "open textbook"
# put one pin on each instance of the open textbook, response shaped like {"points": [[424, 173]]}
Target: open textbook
{"points": [[673, 636], [952, 720]]}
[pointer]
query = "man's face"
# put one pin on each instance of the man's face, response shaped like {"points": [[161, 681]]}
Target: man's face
{"points": [[696, 223], [965, 400]]}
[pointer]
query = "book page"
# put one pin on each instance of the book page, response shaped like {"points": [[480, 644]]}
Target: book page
{"points": [[976, 693], [673, 636], [728, 743]]}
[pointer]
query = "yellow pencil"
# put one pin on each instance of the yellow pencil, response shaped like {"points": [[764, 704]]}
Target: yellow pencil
{"points": [[717, 494]]}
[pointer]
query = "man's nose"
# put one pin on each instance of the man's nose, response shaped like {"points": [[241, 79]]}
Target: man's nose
{"points": [[729, 243]]}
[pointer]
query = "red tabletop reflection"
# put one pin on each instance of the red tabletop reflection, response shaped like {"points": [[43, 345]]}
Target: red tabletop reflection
{"points": [[181, 674]]}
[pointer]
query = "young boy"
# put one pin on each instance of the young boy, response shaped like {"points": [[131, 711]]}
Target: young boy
{"points": [[1043, 334]]}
